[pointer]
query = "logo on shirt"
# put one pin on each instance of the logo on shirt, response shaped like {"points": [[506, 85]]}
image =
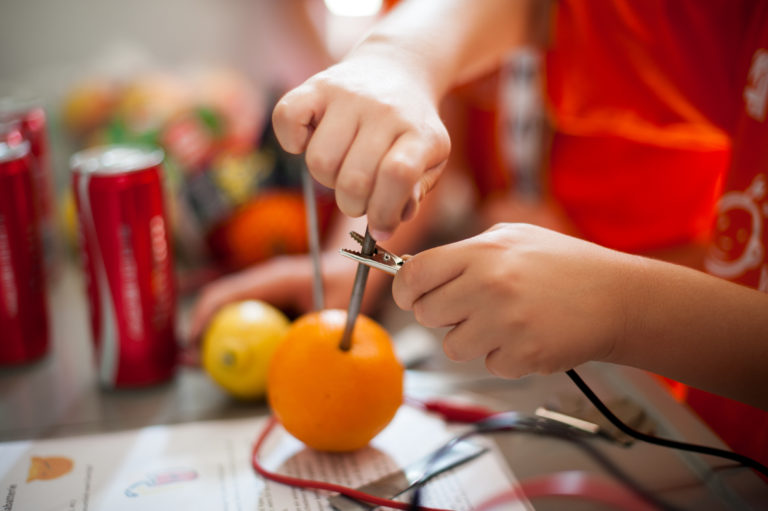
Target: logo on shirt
{"points": [[738, 248], [756, 91]]}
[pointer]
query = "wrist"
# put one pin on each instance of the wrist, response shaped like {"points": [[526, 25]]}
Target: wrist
{"points": [[419, 61], [631, 276]]}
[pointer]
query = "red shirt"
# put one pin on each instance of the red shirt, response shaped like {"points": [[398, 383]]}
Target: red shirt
{"points": [[739, 248], [649, 97], [636, 92]]}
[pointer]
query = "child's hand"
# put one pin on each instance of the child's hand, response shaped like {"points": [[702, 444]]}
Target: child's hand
{"points": [[371, 130], [284, 282], [527, 299]]}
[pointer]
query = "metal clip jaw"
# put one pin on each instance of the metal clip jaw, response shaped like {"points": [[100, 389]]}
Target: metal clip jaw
{"points": [[381, 259]]}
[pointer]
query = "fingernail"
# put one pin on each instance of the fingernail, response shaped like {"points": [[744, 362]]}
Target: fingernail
{"points": [[380, 235]]}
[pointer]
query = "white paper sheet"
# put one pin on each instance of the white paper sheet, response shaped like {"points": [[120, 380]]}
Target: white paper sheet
{"points": [[206, 466]]}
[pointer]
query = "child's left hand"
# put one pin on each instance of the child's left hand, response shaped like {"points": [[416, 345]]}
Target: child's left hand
{"points": [[527, 299]]}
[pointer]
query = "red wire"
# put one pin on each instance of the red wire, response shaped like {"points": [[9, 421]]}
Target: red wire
{"points": [[319, 485], [451, 411], [571, 484], [563, 484]]}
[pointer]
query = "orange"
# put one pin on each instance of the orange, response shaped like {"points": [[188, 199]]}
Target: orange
{"points": [[273, 223], [330, 399]]}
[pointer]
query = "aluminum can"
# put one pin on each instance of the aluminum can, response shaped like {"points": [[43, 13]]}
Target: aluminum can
{"points": [[23, 308], [28, 112], [128, 263]]}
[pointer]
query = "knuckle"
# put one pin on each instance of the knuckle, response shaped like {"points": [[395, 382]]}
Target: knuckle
{"points": [[443, 140], [386, 221], [321, 166], [288, 127], [495, 365], [530, 356], [350, 208], [424, 315], [400, 292], [450, 348], [356, 185], [439, 139], [401, 169], [408, 275], [386, 110]]}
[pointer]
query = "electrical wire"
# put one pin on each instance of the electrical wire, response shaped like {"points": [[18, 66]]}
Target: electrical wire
{"points": [[665, 442], [495, 424], [506, 421], [318, 485], [563, 484]]}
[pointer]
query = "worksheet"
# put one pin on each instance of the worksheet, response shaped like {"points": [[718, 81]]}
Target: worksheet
{"points": [[207, 466]]}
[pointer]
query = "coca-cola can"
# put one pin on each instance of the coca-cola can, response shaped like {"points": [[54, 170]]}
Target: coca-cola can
{"points": [[126, 252], [29, 114], [23, 307]]}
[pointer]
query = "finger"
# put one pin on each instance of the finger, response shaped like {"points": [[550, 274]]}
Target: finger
{"points": [[425, 184], [446, 305], [202, 312], [424, 272], [468, 340], [357, 175], [295, 117], [189, 356], [329, 144], [399, 171], [276, 282], [507, 362]]}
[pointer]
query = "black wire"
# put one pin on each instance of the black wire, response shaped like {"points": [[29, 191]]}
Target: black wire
{"points": [[665, 442], [518, 423], [511, 421]]}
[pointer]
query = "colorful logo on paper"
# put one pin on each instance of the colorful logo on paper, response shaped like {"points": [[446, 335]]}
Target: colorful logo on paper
{"points": [[159, 480], [52, 467]]}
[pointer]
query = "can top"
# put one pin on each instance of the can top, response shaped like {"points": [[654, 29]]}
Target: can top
{"points": [[18, 103], [115, 159], [10, 152]]}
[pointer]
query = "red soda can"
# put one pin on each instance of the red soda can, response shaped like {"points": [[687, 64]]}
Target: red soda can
{"points": [[29, 113], [128, 263], [23, 307]]}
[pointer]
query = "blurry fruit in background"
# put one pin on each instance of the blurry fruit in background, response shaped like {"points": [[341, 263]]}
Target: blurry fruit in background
{"points": [[239, 343], [190, 138], [230, 186], [270, 224], [232, 97], [330, 399], [151, 100], [89, 105], [68, 219]]}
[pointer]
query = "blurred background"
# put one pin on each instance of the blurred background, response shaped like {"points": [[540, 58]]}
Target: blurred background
{"points": [[198, 78]]}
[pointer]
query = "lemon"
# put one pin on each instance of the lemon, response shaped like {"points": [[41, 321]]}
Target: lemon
{"points": [[239, 343]]}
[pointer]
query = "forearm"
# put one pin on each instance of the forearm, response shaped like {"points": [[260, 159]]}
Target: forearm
{"points": [[452, 41], [695, 328]]}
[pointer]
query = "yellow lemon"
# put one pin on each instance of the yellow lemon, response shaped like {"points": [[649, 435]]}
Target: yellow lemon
{"points": [[238, 346]]}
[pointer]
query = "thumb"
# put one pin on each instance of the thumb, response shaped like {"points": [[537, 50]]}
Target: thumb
{"points": [[420, 190]]}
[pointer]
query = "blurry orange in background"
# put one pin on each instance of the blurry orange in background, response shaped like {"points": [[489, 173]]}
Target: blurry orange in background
{"points": [[331, 399], [88, 105], [271, 224]]}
